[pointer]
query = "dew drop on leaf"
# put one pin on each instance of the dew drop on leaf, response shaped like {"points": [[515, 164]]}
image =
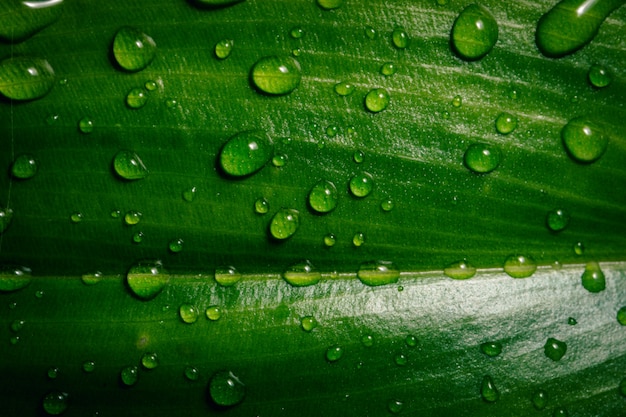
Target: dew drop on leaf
{"points": [[175, 245], [395, 406], [599, 76], [55, 402], [133, 50], [367, 340], [488, 390], [296, 32], [482, 158], [621, 316], [190, 194], [137, 237], [329, 4], [387, 205], [191, 373], [506, 123], [86, 125], [13, 278], [224, 48], [460, 270], [344, 88], [411, 341], [378, 273], [136, 98], [213, 313], [323, 197], [560, 412], [593, 279], [20, 20], [52, 372], [225, 389], [302, 274], [279, 160], [358, 156], [584, 140], [579, 248], [129, 375], [330, 239], [6, 214], [358, 239], [400, 38], [285, 223], [474, 33], [188, 313], [555, 349], [491, 349], [276, 75], [129, 166], [519, 266], [557, 220], [261, 206], [400, 359], [539, 399], [361, 185], [24, 167], [76, 217], [89, 366], [147, 279], [25, 78], [334, 353], [150, 85], [132, 217], [149, 360], [227, 276], [388, 68], [457, 101], [377, 100], [308, 323], [245, 153], [17, 325]]}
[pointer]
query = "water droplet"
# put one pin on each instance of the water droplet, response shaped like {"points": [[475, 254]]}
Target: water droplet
{"points": [[115, 214], [190, 194], [302, 274], [52, 119], [378, 273], [334, 353], [488, 390], [344, 88], [227, 276], [20, 20], [245, 153], [13, 278], [213, 313], [149, 360], [89, 366], [519, 266], [400, 359], [387, 205], [491, 349], [361, 185], [136, 98], [584, 140], [25, 78], [621, 316], [475, 32], [6, 215], [323, 197], [129, 166], [330, 239], [188, 313], [482, 158], [133, 50], [138, 237], [276, 75], [457, 101], [14, 340], [367, 340], [557, 220], [358, 156], [308, 323], [55, 402], [579, 248], [129, 375], [445, 115], [358, 239], [214, 4], [411, 341], [284, 223], [224, 48], [388, 68], [555, 349], [539, 399], [395, 406], [24, 167], [17, 325], [377, 100], [460, 270], [572, 321], [593, 279], [150, 85], [132, 217], [147, 279], [225, 389], [76, 217], [39, 294], [296, 32], [261, 206], [599, 76], [279, 161], [570, 25], [175, 245], [400, 38], [192, 373], [86, 125], [171, 103], [506, 123], [329, 4]]}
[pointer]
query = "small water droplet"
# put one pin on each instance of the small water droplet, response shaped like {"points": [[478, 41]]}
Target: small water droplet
{"points": [[358, 156], [86, 125], [400, 38], [129, 375], [129, 166], [593, 278], [6, 215], [149, 360], [136, 98], [132, 217], [284, 223], [475, 32], [460, 270], [224, 48], [370, 32], [584, 140], [323, 197], [555, 349], [89, 366], [539, 399], [76, 217], [378, 273], [171, 103], [482, 158], [20, 20], [302, 274], [14, 340], [24, 167], [245, 153], [411, 341], [138, 237], [491, 349], [261, 206], [599, 76], [25, 78], [506, 123], [560, 412], [457, 101], [361, 185], [150, 85], [213, 313], [621, 316], [192, 373], [400, 359], [276, 75], [329, 4], [190, 194], [175, 245], [91, 278], [17, 325], [13, 278], [133, 50], [52, 119], [279, 161], [296, 32], [488, 390], [330, 239], [519, 266], [115, 214], [557, 220], [227, 276], [308, 323], [395, 406], [387, 205], [387, 69], [358, 239], [344, 88], [188, 313], [572, 321], [579, 248], [377, 100], [147, 279], [55, 402], [334, 353], [367, 340], [39, 294], [225, 389]]}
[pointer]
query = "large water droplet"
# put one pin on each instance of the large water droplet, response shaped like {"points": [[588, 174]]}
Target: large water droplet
{"points": [[519, 266], [539, 399], [482, 158], [284, 223], [308, 323], [584, 140], [129, 166], [6, 214], [555, 349], [133, 50], [599, 76], [323, 197], [213, 313], [400, 38], [572, 24], [329, 4], [557, 220], [276, 75], [19, 20], [334, 353], [24, 167], [225, 389], [488, 390], [25, 78], [361, 185], [377, 100], [55, 402], [302, 274], [593, 278], [227, 276], [13, 278], [245, 153], [129, 375], [147, 279], [475, 32], [378, 273], [224, 48], [460, 270], [491, 349]]}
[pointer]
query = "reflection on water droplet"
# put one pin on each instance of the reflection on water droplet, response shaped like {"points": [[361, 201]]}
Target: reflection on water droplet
{"points": [[308, 323], [334, 353], [25, 78], [302, 274], [519, 266], [358, 239], [378, 273], [323, 197], [129, 375], [136, 98], [400, 38], [245, 153], [506, 123], [225, 389], [584, 140], [276, 75], [599, 76], [24, 167], [482, 158], [284, 223], [593, 279], [86, 125], [557, 220], [330, 239], [13, 278], [555, 349], [133, 50], [491, 349], [129, 166], [488, 390], [224, 48], [261, 206], [188, 313], [55, 402], [149, 360], [147, 279], [475, 32], [460, 270], [192, 373], [540, 399], [377, 100], [227, 276]]}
